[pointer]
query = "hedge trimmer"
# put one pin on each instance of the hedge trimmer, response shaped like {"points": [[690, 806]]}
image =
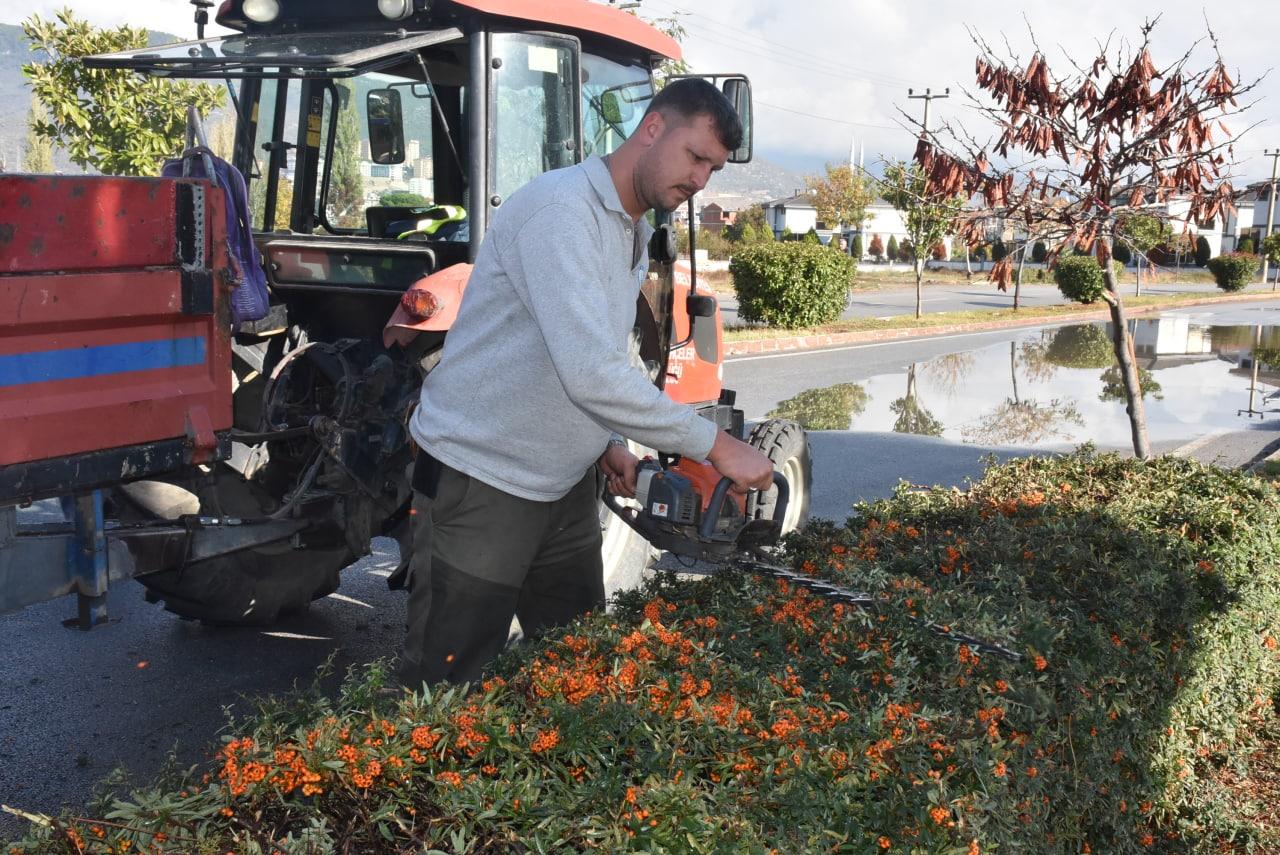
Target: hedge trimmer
{"points": [[689, 510]]}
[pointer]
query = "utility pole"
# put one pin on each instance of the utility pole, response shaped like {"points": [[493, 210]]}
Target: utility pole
{"points": [[1271, 206], [927, 97]]}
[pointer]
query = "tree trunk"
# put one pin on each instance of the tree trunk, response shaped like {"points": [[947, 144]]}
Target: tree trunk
{"points": [[1123, 344], [968, 265], [1013, 368], [1137, 291], [919, 288], [1017, 283]]}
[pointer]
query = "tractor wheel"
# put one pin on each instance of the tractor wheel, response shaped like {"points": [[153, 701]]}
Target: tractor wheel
{"points": [[785, 443], [626, 555]]}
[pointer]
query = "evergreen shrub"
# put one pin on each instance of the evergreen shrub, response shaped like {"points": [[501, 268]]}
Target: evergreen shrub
{"points": [[1138, 603], [1079, 278], [1234, 270], [791, 285]]}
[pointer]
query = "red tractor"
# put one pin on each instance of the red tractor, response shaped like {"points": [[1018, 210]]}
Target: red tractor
{"points": [[244, 467]]}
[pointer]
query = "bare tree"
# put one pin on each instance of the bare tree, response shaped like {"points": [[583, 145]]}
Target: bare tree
{"points": [[1100, 141], [928, 215]]}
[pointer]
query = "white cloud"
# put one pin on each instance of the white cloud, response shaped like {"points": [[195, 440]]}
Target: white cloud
{"points": [[852, 60]]}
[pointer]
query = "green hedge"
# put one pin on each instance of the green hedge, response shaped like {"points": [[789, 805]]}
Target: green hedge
{"points": [[735, 715], [1234, 270], [792, 284], [1079, 278]]}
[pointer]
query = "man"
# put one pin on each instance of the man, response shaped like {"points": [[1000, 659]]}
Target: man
{"points": [[527, 409]]}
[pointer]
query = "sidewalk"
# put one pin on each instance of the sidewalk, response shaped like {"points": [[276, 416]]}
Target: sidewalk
{"points": [[1023, 318]]}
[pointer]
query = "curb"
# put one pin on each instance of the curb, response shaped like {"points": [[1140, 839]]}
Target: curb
{"points": [[817, 341]]}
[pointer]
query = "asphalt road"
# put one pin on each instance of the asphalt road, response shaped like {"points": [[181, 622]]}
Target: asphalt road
{"points": [[74, 706]]}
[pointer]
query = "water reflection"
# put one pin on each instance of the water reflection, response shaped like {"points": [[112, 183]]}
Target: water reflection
{"points": [[1080, 346], [1113, 385], [1057, 388], [829, 408], [912, 415], [1015, 421], [949, 369]]}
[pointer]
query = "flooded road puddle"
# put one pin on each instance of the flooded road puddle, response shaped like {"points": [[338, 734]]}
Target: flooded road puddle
{"points": [[1060, 387]]}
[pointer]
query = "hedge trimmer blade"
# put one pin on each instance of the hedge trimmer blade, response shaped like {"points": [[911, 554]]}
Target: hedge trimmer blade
{"points": [[752, 563]]}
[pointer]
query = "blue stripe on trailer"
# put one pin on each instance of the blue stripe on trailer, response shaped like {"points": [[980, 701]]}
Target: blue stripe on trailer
{"points": [[20, 369]]}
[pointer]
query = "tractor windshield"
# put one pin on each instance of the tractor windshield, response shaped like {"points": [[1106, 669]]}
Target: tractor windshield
{"points": [[356, 180], [614, 98]]}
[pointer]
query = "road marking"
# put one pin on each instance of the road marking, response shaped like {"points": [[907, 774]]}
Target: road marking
{"points": [[343, 598], [1198, 443]]}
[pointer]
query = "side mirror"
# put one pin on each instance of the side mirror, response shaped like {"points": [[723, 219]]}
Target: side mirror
{"points": [[738, 91], [386, 126], [701, 306]]}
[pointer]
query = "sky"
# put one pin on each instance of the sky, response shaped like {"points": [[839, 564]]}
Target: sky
{"points": [[829, 74]]}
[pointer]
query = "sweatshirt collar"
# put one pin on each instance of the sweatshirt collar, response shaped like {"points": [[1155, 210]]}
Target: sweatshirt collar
{"points": [[598, 174]]}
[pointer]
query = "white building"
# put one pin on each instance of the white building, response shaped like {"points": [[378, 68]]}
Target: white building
{"points": [[795, 213], [885, 221]]}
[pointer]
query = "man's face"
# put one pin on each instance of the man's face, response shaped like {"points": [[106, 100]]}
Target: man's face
{"points": [[680, 161]]}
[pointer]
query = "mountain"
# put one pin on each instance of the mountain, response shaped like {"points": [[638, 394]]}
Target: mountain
{"points": [[758, 181], [15, 97]]}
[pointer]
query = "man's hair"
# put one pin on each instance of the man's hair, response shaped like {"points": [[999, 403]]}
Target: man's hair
{"points": [[691, 97]]}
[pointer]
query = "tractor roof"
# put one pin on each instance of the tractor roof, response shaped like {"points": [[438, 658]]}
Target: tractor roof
{"points": [[584, 16], [578, 16]]}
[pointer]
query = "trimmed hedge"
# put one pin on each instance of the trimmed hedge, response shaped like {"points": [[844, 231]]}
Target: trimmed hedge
{"points": [[1079, 278], [737, 715], [792, 284], [1234, 271]]}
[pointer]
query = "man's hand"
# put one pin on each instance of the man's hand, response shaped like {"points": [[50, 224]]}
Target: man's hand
{"points": [[619, 467], [742, 464]]}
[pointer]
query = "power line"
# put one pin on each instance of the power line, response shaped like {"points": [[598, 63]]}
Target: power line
{"points": [[825, 118], [791, 62], [805, 54]]}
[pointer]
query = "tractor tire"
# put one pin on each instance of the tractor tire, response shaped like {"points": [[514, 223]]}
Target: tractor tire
{"points": [[786, 444], [625, 554]]}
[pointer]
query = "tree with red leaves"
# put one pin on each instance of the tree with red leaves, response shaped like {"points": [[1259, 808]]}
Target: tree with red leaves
{"points": [[1108, 139]]}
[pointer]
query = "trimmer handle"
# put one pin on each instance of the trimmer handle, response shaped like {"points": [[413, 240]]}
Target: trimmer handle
{"points": [[708, 526]]}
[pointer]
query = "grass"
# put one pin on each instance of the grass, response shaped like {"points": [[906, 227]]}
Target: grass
{"points": [[873, 277], [937, 319]]}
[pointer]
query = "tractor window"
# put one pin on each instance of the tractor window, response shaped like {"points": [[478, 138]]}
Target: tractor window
{"points": [[614, 98], [355, 182], [536, 116], [276, 116]]}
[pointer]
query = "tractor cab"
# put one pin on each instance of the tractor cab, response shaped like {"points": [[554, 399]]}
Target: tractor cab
{"points": [[355, 123]]}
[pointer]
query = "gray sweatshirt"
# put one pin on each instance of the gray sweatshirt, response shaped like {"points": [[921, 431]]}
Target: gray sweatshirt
{"points": [[535, 374]]}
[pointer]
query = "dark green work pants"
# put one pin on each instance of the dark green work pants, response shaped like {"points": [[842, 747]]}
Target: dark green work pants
{"points": [[480, 556]]}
